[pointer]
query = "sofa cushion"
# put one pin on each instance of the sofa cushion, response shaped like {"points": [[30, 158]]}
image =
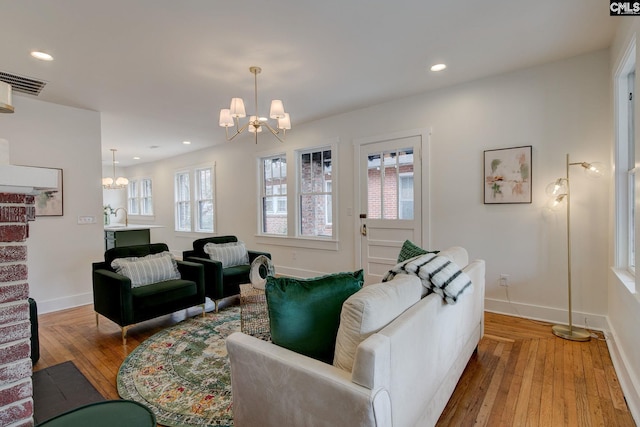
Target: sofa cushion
{"points": [[369, 310], [411, 250], [146, 270], [229, 254], [304, 314]]}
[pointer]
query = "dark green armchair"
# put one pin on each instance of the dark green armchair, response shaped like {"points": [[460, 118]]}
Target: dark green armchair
{"points": [[220, 282], [116, 299]]}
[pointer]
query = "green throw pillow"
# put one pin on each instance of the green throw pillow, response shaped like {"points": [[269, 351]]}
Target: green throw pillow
{"points": [[304, 314], [410, 250]]}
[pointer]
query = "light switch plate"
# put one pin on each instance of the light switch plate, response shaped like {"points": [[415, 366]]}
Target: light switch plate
{"points": [[84, 220]]}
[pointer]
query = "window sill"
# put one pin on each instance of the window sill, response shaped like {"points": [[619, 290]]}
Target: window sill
{"points": [[626, 278], [298, 242]]}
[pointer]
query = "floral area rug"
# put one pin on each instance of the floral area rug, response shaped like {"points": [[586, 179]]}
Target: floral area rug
{"points": [[182, 373]]}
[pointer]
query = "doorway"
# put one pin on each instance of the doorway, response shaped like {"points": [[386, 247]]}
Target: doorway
{"points": [[393, 198]]}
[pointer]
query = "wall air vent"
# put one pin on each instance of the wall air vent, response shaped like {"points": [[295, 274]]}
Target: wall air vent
{"points": [[22, 84]]}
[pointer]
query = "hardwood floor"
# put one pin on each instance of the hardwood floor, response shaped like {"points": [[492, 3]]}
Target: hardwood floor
{"points": [[522, 375]]}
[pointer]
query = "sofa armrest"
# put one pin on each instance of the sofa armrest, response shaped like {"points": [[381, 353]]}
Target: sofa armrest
{"points": [[193, 271], [273, 386], [476, 272], [212, 276], [112, 296]]}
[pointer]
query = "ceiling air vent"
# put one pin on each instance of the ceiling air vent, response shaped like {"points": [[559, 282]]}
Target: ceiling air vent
{"points": [[22, 84]]}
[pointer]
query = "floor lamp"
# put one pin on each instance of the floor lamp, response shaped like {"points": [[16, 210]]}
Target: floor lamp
{"points": [[560, 193]]}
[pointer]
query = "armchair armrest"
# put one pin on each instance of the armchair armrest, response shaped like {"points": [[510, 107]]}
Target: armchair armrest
{"points": [[255, 254], [273, 386], [212, 276], [193, 271], [112, 296]]}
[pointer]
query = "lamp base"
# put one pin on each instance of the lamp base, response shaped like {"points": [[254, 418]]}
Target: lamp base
{"points": [[571, 333]]}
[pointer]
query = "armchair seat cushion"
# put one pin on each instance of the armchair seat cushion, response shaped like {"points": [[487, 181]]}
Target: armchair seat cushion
{"points": [[222, 281], [236, 274], [162, 293]]}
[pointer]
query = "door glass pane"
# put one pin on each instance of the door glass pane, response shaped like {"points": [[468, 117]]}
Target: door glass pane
{"points": [[390, 185], [374, 187]]}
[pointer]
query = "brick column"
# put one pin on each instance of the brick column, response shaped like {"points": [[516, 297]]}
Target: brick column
{"points": [[16, 391]]}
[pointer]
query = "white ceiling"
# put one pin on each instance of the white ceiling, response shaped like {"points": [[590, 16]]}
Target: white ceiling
{"points": [[160, 70]]}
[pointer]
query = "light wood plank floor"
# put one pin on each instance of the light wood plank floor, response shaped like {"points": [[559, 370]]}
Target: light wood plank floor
{"points": [[521, 375]]}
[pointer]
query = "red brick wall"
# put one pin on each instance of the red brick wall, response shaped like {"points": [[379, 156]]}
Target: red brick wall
{"points": [[16, 403]]}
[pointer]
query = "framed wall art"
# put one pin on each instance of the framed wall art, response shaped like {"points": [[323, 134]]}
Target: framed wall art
{"points": [[507, 175], [50, 202]]}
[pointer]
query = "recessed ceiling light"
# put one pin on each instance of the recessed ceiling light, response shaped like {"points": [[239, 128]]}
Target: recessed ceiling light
{"points": [[186, 142], [42, 56], [136, 158], [438, 67]]}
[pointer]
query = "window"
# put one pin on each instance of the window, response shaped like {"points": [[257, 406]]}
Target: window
{"points": [[194, 204], [316, 195], [183, 202], [625, 166], [140, 197], [204, 200], [274, 194]]}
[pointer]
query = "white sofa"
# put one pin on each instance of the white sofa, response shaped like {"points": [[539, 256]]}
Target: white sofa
{"points": [[402, 374]]}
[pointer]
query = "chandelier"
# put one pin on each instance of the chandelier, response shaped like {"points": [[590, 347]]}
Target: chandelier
{"points": [[231, 116], [114, 183]]}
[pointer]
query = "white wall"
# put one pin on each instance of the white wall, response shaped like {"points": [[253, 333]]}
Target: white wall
{"points": [[60, 251], [624, 306], [558, 108]]}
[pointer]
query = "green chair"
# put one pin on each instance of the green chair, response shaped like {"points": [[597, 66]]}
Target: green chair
{"points": [[220, 282], [116, 299], [110, 413]]}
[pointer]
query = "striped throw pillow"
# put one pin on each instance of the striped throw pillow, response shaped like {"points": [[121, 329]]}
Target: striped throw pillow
{"points": [[229, 254], [146, 270]]}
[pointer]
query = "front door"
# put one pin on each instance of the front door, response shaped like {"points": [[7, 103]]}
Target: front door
{"points": [[391, 192]]}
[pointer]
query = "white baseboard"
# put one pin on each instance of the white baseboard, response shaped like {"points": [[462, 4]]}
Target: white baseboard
{"points": [[297, 272], [547, 314], [628, 382], [57, 304]]}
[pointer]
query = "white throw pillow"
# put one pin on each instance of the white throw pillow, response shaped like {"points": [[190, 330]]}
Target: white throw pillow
{"points": [[229, 254], [369, 310], [146, 270]]}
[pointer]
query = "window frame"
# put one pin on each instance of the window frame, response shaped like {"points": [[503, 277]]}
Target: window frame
{"points": [[191, 200], [182, 198], [324, 194], [275, 198], [198, 199], [137, 200], [626, 184]]}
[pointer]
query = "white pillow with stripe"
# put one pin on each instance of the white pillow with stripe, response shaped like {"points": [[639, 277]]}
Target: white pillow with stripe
{"points": [[229, 254], [149, 269]]}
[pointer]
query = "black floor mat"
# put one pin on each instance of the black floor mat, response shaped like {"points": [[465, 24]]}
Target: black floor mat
{"points": [[60, 388]]}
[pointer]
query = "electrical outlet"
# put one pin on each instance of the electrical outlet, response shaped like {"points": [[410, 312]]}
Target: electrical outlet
{"points": [[504, 280]]}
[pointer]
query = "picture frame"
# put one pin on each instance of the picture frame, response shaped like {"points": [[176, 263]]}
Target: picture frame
{"points": [[507, 175], [51, 202]]}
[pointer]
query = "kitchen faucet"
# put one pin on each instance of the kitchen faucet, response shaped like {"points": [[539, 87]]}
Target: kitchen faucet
{"points": [[126, 216]]}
